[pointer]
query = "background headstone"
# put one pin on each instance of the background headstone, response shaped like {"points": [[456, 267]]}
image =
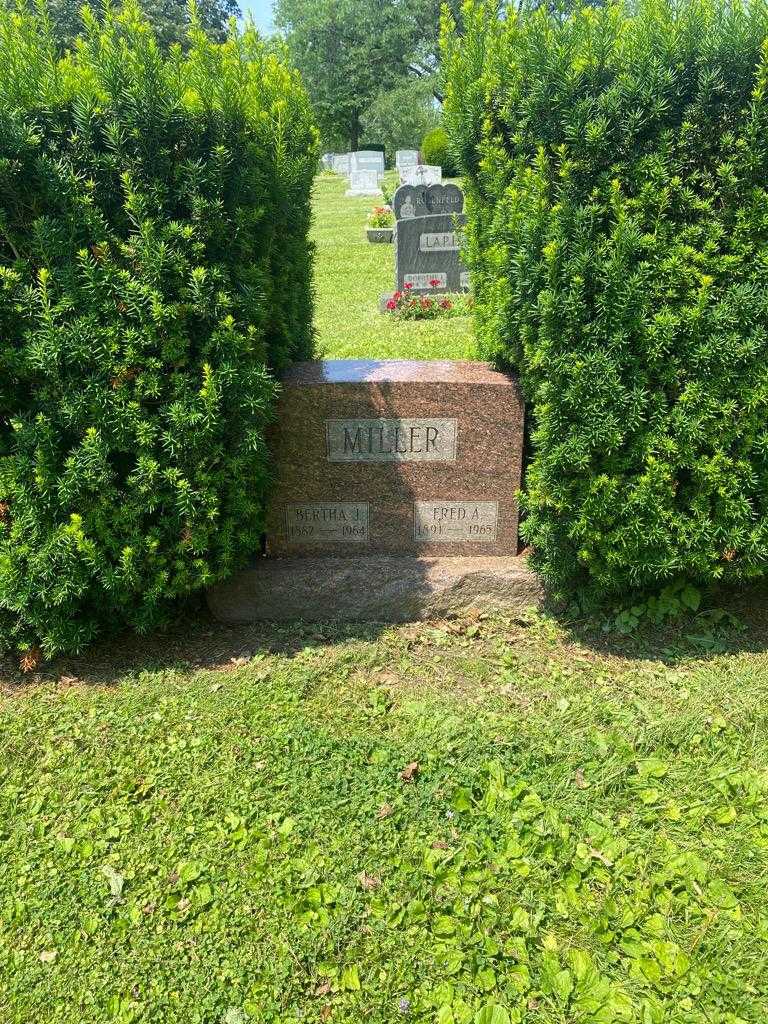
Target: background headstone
{"points": [[367, 160], [364, 183], [327, 161], [421, 174], [341, 163], [422, 200], [406, 158], [428, 249]]}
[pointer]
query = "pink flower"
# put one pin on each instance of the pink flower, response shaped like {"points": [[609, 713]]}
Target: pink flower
{"points": [[391, 304], [409, 286], [435, 283]]}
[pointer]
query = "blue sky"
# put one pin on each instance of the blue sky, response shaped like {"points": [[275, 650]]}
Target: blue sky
{"points": [[261, 11]]}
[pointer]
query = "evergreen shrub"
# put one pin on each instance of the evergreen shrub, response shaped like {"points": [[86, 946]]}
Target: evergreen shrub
{"points": [[616, 162], [154, 275], [436, 151]]}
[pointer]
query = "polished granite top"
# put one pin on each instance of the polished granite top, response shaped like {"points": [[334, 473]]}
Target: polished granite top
{"points": [[395, 371]]}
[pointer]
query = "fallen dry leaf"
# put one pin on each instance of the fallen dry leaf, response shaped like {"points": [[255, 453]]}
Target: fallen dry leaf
{"points": [[48, 956], [579, 780], [598, 855], [409, 773], [326, 1012], [368, 881], [30, 659], [68, 680], [385, 811], [323, 988]]}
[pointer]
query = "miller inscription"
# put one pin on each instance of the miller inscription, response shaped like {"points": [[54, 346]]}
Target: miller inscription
{"points": [[391, 440], [455, 521], [336, 522]]}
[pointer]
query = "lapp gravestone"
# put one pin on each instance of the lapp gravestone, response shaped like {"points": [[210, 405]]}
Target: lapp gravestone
{"points": [[395, 496], [428, 250], [363, 183]]}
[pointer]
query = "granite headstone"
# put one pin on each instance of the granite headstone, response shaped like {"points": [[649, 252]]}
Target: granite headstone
{"points": [[363, 183], [428, 249], [367, 160], [406, 158], [422, 200], [421, 174]]}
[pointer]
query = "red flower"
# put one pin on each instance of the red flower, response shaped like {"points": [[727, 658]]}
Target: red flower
{"points": [[397, 295], [435, 283], [446, 304], [391, 304], [409, 286]]}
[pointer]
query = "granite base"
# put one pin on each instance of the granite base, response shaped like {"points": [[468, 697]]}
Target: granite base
{"points": [[375, 588]]}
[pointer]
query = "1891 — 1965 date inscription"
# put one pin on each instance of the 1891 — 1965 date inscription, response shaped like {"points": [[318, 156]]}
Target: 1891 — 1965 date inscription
{"points": [[464, 522], [391, 440]]}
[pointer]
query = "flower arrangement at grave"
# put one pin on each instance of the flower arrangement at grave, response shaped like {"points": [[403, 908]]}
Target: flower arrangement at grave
{"points": [[381, 217], [410, 305]]}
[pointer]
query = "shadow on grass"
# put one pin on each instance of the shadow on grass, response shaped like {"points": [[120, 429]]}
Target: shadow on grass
{"points": [[734, 623]]}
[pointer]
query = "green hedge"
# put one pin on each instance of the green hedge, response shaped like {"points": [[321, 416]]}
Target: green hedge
{"points": [[436, 151], [154, 273], [616, 162]]}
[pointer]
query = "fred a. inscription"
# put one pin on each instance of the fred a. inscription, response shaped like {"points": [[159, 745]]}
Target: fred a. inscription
{"points": [[473, 522], [336, 522], [384, 440]]}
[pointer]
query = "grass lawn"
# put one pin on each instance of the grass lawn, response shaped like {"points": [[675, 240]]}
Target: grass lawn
{"points": [[229, 826], [351, 275]]}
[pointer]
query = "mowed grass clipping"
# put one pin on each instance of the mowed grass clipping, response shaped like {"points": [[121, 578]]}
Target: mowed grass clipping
{"points": [[474, 822], [351, 275]]}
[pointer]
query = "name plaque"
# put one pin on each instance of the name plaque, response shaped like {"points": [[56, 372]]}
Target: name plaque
{"points": [[451, 522], [340, 522], [442, 241], [395, 440]]}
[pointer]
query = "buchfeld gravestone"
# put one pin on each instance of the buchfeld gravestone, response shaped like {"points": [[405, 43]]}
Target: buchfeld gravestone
{"points": [[395, 497], [363, 183], [421, 200]]}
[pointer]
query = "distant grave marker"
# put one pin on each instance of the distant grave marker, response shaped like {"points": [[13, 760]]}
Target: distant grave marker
{"points": [[421, 174], [363, 183], [406, 158], [367, 160], [428, 248]]}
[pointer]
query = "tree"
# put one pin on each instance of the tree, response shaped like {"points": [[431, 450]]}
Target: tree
{"points": [[352, 51], [169, 18], [399, 117]]}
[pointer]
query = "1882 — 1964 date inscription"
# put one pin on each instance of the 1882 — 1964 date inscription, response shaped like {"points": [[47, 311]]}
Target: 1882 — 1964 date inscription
{"points": [[391, 440], [323, 522]]}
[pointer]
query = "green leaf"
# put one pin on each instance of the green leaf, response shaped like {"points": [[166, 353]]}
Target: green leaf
{"points": [[493, 1013]]}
